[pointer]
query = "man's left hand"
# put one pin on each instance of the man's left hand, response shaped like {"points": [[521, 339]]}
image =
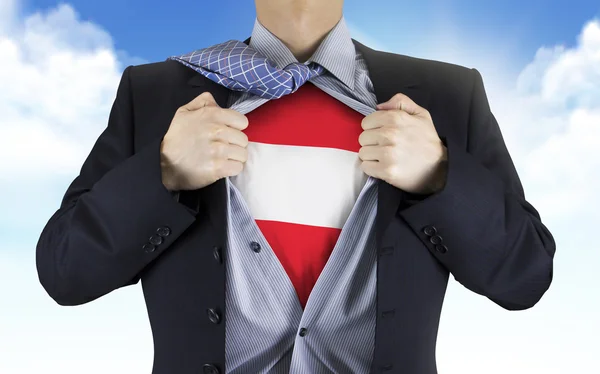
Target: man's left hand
{"points": [[401, 146]]}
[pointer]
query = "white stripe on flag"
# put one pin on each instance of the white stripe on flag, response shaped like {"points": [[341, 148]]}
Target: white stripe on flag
{"points": [[314, 186]]}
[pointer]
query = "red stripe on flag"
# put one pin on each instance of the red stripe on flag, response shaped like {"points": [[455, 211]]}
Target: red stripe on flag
{"points": [[320, 121], [302, 250]]}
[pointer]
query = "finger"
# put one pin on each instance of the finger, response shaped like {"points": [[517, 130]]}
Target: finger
{"points": [[229, 168], [368, 137], [200, 101], [373, 137], [230, 135], [236, 153], [372, 168], [402, 102], [370, 153], [374, 120], [228, 117]]}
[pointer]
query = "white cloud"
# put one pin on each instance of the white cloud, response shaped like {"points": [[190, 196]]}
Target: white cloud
{"points": [[62, 75], [556, 123], [563, 171], [575, 74]]}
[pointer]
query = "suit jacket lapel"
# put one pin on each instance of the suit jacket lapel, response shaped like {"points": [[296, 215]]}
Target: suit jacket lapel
{"points": [[389, 73]]}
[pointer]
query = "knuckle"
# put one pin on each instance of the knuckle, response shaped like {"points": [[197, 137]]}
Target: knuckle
{"points": [[388, 153], [217, 149], [401, 116], [385, 153], [393, 116], [391, 134], [208, 111], [216, 132]]}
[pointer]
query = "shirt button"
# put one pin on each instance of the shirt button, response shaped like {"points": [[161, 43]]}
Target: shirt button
{"points": [[255, 246], [213, 315], [436, 239], [210, 369], [148, 248], [430, 230], [302, 332], [217, 254], [441, 248], [156, 240], [163, 231]]}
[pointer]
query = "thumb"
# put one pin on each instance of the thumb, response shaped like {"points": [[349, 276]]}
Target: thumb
{"points": [[200, 101], [402, 102]]}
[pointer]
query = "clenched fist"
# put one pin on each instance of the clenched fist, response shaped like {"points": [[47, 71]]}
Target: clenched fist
{"points": [[204, 143], [401, 146]]}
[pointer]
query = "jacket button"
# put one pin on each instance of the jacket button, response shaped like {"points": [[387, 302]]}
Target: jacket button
{"points": [[430, 230], [436, 239], [148, 248], [217, 254], [163, 231], [302, 332], [255, 246], [156, 240], [210, 369], [213, 315], [441, 248]]}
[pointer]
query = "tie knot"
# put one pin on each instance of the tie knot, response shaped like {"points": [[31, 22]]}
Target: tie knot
{"points": [[312, 68], [302, 73]]}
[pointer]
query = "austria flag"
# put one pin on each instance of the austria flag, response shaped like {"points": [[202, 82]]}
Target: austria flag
{"points": [[302, 178]]}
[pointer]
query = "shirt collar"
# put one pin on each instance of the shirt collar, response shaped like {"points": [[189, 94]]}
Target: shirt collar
{"points": [[336, 53]]}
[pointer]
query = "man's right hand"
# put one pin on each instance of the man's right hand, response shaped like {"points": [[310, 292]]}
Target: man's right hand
{"points": [[204, 143]]}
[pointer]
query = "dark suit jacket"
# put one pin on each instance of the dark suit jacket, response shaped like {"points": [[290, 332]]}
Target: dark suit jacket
{"points": [[479, 227]]}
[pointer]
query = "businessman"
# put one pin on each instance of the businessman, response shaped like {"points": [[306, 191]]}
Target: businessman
{"points": [[295, 203]]}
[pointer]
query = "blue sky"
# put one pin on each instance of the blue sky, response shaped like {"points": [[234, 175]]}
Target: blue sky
{"points": [[540, 61], [153, 29]]}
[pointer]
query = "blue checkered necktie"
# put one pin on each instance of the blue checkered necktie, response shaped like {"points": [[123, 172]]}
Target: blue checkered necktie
{"points": [[238, 67]]}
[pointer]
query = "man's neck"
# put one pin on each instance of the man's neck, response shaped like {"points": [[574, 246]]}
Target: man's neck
{"points": [[300, 28]]}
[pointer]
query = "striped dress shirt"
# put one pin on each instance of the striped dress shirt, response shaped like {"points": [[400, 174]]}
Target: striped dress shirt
{"points": [[264, 317]]}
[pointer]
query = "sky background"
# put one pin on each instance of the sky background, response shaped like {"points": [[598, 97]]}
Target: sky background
{"points": [[540, 60]]}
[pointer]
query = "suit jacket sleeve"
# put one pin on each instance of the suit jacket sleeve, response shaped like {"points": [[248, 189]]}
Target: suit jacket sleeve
{"points": [[496, 243], [94, 243]]}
